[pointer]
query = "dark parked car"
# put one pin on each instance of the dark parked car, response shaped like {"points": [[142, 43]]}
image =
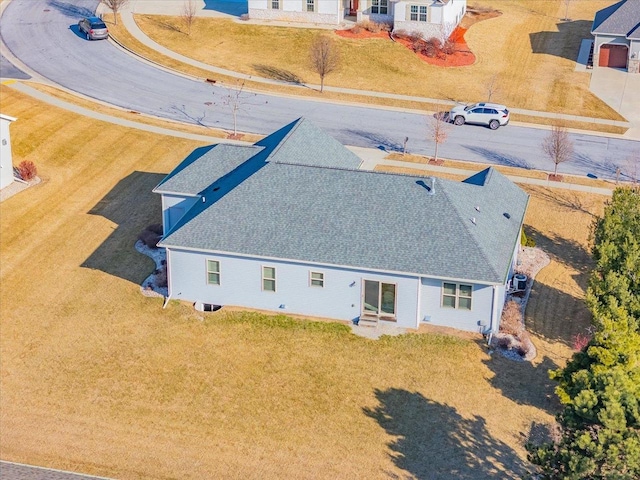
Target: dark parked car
{"points": [[94, 28]]}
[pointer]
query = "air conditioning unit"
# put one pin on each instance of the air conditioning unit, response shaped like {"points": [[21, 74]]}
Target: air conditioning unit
{"points": [[520, 281]]}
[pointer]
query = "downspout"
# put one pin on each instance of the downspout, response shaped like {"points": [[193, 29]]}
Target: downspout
{"points": [[418, 304], [494, 314], [166, 300]]}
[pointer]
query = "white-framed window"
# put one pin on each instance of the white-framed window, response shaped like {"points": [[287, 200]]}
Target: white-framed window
{"points": [[213, 272], [418, 13], [274, 4], [269, 279], [380, 6], [456, 295], [311, 5], [316, 279]]}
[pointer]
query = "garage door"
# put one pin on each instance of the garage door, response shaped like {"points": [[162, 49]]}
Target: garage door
{"points": [[614, 56]]}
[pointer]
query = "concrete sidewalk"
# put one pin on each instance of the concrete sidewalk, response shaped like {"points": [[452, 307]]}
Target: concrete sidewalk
{"points": [[173, 7]]}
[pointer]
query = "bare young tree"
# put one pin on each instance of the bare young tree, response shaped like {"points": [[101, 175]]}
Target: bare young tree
{"points": [[324, 56], [557, 146], [236, 100], [115, 6], [438, 130], [188, 14], [492, 86]]}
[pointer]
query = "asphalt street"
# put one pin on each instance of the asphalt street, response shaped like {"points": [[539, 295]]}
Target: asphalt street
{"points": [[44, 36]]}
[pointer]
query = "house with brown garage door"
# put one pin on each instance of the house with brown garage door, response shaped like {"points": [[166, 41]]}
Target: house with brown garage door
{"points": [[617, 36]]}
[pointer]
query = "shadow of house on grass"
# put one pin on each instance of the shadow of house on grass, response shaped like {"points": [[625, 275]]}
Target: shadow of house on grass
{"points": [[564, 43], [435, 442], [132, 206]]}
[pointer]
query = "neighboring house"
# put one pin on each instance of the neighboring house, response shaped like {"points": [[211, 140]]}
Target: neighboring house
{"points": [[290, 224], [617, 36], [426, 16], [6, 164]]}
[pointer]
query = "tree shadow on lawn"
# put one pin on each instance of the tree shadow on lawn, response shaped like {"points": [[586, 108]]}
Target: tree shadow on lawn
{"points": [[564, 43], [524, 382], [433, 441], [276, 73], [551, 312], [132, 206]]}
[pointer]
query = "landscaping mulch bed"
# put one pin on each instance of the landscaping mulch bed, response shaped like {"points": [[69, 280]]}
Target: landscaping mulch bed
{"points": [[461, 57]]}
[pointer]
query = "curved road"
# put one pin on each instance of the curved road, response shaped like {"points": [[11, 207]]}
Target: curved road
{"points": [[44, 36]]}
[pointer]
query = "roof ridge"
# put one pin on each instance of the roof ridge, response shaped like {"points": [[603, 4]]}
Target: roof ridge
{"points": [[296, 124], [473, 236]]}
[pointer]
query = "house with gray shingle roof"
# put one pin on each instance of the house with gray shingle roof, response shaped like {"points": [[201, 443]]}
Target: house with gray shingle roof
{"points": [[617, 36], [290, 224], [425, 16]]}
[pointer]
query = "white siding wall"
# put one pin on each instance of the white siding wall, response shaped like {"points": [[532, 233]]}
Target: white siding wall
{"points": [[438, 14], [241, 285], [6, 163], [327, 11], [634, 56], [173, 207], [432, 312]]}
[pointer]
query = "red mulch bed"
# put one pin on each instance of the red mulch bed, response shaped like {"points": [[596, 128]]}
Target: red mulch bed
{"points": [[555, 178], [460, 58]]}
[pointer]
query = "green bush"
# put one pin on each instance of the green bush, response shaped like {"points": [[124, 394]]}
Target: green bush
{"points": [[526, 241]]}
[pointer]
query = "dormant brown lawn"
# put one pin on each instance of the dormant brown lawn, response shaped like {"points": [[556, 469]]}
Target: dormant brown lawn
{"points": [[528, 49], [97, 378]]}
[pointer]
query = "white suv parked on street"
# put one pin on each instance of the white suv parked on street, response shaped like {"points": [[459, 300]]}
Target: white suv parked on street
{"points": [[491, 114]]}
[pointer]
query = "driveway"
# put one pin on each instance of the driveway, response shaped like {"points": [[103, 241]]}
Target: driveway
{"points": [[204, 8], [621, 91]]}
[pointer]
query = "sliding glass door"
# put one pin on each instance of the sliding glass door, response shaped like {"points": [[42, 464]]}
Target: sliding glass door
{"points": [[379, 299]]}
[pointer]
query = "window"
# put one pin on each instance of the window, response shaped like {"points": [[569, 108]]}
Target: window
{"points": [[418, 13], [316, 279], [213, 272], [456, 295], [380, 6], [379, 299], [311, 5], [269, 279], [274, 4]]}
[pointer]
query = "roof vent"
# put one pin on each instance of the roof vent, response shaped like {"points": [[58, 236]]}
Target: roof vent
{"points": [[477, 208], [473, 220], [506, 215], [204, 199], [215, 189], [428, 184]]}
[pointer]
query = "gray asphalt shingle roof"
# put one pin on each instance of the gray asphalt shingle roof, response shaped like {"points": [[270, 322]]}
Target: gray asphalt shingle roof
{"points": [[361, 219], [622, 18]]}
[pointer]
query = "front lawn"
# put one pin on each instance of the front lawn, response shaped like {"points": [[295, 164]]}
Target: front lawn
{"points": [[97, 378], [528, 49]]}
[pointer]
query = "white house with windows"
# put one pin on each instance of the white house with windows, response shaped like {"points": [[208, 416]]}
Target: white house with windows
{"points": [[6, 162], [427, 16], [291, 225]]}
